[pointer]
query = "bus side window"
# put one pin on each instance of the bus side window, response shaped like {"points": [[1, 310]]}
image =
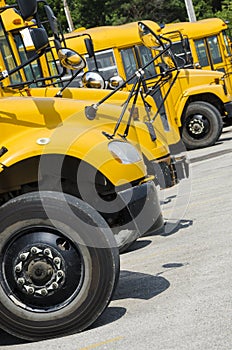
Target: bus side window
{"points": [[129, 62], [146, 57], [214, 49], [201, 52]]}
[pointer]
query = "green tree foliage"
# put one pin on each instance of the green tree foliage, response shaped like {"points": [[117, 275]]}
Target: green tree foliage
{"points": [[225, 12], [92, 13], [119, 12], [88, 13], [203, 9]]}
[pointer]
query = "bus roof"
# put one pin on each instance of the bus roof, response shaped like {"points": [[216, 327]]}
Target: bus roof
{"points": [[107, 37], [197, 29]]}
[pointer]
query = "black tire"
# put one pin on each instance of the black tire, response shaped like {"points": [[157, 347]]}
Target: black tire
{"points": [[201, 125], [59, 265]]}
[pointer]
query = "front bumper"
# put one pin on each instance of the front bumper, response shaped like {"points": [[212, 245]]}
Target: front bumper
{"points": [[169, 173], [180, 160], [227, 120], [228, 108], [181, 165], [139, 213]]}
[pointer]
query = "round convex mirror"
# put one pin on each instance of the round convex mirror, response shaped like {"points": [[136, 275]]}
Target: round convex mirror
{"points": [[148, 37], [70, 59], [93, 80]]}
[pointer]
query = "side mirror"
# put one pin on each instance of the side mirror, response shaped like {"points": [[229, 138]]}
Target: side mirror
{"points": [[71, 59], [89, 47], [90, 50], [148, 37], [39, 38], [27, 8], [93, 80], [51, 19]]}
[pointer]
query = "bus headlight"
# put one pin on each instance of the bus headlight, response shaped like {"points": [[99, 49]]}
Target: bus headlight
{"points": [[124, 152]]}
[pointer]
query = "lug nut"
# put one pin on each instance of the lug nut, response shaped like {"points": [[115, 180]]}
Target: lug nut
{"points": [[60, 273], [34, 250], [21, 281], [44, 291], [56, 260], [30, 290], [55, 285], [47, 251], [23, 256], [18, 268]]}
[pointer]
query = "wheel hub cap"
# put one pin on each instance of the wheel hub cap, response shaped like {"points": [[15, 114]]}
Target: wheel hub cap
{"points": [[42, 269], [39, 271], [196, 126]]}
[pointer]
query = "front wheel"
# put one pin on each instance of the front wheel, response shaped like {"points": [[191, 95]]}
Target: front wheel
{"points": [[59, 265], [201, 126]]}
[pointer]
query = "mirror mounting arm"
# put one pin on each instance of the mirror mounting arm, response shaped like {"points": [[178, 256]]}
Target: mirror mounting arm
{"points": [[89, 109], [59, 93], [133, 107]]}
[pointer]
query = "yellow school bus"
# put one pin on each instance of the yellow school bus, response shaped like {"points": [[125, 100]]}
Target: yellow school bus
{"points": [[116, 52], [168, 166], [197, 101], [71, 192], [204, 44]]}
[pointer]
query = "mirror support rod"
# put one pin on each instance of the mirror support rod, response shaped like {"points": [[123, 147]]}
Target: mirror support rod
{"points": [[132, 108], [90, 53], [122, 114], [165, 97], [59, 93], [90, 111]]}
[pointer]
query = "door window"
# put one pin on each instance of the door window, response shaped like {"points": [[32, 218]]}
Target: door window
{"points": [[226, 42], [201, 52], [129, 61], [208, 51], [214, 49]]}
